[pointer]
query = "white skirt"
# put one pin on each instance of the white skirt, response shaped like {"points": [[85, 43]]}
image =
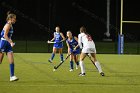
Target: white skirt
{"points": [[89, 50]]}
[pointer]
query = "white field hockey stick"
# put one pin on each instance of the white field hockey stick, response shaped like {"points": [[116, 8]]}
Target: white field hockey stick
{"points": [[50, 42], [53, 42]]}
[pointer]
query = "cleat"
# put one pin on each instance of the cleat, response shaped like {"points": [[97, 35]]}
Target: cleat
{"points": [[102, 74], [50, 60], [89, 55], [76, 66], [13, 78], [82, 74], [54, 70], [61, 61], [71, 70]]}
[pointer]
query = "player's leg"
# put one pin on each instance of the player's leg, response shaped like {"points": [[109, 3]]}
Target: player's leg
{"points": [[76, 57], [97, 64], [2, 49], [76, 60], [71, 62], [81, 63], [61, 54], [12, 66], [53, 54], [1, 57]]}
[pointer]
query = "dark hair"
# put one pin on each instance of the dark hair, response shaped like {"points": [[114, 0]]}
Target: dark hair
{"points": [[83, 29], [10, 15]]}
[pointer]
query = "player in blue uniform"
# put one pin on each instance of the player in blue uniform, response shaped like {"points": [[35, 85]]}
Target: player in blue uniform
{"points": [[72, 44], [58, 39], [6, 43]]}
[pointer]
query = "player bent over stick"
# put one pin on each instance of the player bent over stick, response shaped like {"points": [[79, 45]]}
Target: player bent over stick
{"points": [[85, 41], [74, 49]]}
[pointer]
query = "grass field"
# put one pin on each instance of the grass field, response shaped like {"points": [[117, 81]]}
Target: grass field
{"points": [[36, 75]]}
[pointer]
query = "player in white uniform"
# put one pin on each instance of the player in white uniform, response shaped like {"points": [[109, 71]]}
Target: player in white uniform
{"points": [[88, 47]]}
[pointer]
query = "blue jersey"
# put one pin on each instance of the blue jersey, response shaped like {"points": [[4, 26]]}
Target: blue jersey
{"points": [[73, 43], [57, 39], [5, 46], [9, 34]]}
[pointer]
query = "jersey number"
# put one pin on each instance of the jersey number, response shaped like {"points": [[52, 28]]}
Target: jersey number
{"points": [[89, 38]]}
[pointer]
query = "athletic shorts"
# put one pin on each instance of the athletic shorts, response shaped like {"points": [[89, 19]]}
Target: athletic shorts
{"points": [[89, 50], [76, 52], [5, 46], [58, 45]]}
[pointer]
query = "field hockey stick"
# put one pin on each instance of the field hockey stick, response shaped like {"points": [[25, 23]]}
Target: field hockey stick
{"points": [[53, 42], [92, 61], [50, 42], [56, 67]]}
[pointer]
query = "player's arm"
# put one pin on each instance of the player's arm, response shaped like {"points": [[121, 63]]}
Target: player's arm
{"points": [[77, 41], [53, 38], [80, 41], [68, 47], [6, 31], [62, 37]]}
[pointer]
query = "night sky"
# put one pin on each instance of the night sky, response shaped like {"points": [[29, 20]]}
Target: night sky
{"points": [[35, 17]]}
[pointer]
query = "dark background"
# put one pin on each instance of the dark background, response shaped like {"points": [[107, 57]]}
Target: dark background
{"points": [[36, 19], [66, 14]]}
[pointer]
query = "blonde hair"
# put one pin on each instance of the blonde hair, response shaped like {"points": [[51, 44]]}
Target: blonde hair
{"points": [[69, 31], [10, 15]]}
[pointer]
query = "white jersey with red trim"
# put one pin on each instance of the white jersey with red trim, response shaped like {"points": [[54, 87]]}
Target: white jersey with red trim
{"points": [[85, 41]]}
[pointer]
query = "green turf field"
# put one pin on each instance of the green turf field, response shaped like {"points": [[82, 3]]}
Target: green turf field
{"points": [[36, 75]]}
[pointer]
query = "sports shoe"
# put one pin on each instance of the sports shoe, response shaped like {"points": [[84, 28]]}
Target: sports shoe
{"points": [[76, 66], [71, 70], [50, 60], [89, 55], [82, 74], [102, 74], [61, 61], [13, 78]]}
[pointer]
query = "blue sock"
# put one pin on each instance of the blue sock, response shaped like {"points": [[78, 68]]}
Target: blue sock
{"points": [[12, 69], [71, 64], [52, 56], [61, 56], [77, 63]]}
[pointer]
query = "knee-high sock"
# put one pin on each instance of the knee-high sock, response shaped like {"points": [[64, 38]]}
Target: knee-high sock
{"points": [[53, 55], [61, 57], [98, 66], [82, 67], [77, 63], [12, 69], [71, 64]]}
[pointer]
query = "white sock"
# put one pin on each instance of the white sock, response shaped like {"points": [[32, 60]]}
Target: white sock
{"points": [[98, 66], [82, 67]]}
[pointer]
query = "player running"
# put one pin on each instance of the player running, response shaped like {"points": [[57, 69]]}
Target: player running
{"points": [[58, 39], [88, 47], [72, 44], [6, 43]]}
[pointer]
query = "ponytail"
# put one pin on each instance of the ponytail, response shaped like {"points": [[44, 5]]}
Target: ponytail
{"points": [[83, 30]]}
